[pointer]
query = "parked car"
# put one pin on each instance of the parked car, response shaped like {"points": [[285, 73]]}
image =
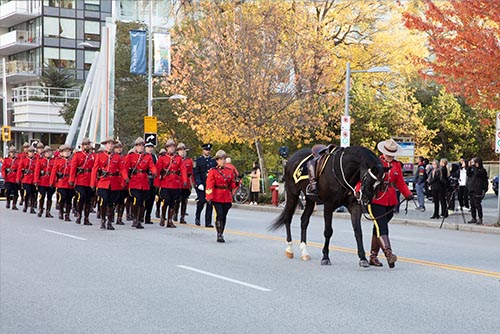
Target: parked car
{"points": [[494, 184], [409, 180], [2, 182]]}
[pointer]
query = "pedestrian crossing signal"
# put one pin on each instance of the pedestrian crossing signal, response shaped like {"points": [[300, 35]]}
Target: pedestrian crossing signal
{"points": [[6, 134]]}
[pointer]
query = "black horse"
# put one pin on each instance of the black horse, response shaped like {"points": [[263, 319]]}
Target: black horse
{"points": [[336, 187]]}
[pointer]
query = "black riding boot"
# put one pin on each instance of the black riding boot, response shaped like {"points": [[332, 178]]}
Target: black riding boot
{"points": [[61, 210], [40, 206], [32, 204], [385, 243], [119, 217], [7, 204], [110, 213], [14, 203], [218, 227], [130, 211], [86, 212], [26, 203], [79, 210], [102, 214], [68, 211], [140, 213], [183, 211], [49, 206], [176, 211], [170, 223]]}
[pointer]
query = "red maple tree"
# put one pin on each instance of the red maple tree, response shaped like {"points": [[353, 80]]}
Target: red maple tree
{"points": [[464, 40]]}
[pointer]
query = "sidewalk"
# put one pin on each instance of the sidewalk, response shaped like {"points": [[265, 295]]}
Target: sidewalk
{"points": [[455, 221]]}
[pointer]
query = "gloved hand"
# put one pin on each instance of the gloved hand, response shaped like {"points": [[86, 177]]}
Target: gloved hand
{"points": [[93, 188], [127, 181], [71, 184], [35, 184], [410, 197], [184, 184], [209, 202], [201, 187]]}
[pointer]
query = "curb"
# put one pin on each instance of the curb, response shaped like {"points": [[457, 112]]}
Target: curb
{"points": [[395, 220]]}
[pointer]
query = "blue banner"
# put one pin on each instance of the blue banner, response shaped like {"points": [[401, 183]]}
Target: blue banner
{"points": [[137, 52]]}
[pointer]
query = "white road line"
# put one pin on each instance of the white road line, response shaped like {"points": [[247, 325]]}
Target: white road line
{"points": [[64, 234], [224, 278]]}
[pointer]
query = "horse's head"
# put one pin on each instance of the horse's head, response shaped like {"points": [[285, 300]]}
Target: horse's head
{"points": [[371, 178]]}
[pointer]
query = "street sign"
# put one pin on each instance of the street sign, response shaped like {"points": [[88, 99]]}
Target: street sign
{"points": [[151, 138], [150, 124], [497, 134], [6, 133], [345, 131]]}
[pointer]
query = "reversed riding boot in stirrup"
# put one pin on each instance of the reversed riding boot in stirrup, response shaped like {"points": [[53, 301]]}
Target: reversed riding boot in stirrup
{"points": [[312, 187], [110, 213], [170, 223], [47, 212], [385, 243], [374, 253], [218, 227]]}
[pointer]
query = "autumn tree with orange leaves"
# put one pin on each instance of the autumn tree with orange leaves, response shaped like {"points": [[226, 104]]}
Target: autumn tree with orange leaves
{"points": [[464, 40]]}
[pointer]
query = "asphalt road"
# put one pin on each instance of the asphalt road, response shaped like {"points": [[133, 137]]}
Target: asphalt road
{"points": [[60, 277]]}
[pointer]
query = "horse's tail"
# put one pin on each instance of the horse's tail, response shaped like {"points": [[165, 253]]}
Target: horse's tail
{"points": [[287, 214]]}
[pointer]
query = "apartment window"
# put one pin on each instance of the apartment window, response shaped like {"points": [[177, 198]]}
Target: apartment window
{"points": [[61, 58], [51, 3], [69, 4], [50, 26], [89, 59], [67, 27], [92, 5], [92, 31]]}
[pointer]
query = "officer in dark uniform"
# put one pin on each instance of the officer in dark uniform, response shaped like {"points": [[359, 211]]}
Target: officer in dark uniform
{"points": [[201, 167]]}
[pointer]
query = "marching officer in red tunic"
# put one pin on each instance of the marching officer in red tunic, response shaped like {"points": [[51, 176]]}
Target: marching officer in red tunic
{"points": [[59, 177], [107, 177], [150, 201], [382, 204], [118, 182], [172, 176], [79, 177], [185, 189], [25, 177], [139, 164], [9, 171], [44, 166], [220, 183], [21, 155]]}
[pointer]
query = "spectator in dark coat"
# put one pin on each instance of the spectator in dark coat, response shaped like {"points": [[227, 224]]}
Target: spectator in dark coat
{"points": [[477, 184], [438, 183]]}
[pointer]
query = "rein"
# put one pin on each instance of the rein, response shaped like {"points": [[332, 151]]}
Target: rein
{"points": [[392, 210]]}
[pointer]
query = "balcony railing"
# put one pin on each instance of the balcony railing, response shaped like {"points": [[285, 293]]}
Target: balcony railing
{"points": [[20, 67], [14, 12], [44, 94]]}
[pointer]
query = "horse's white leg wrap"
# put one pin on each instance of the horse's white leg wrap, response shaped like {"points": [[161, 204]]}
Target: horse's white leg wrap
{"points": [[289, 250], [305, 254]]}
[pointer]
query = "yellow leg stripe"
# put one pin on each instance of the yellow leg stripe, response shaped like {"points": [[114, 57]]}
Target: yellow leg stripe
{"points": [[374, 220], [78, 198]]}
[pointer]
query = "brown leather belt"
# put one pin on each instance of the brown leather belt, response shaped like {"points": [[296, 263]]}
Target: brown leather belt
{"points": [[222, 187]]}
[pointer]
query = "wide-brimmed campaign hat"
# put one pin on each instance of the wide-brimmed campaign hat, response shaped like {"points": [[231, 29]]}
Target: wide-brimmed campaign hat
{"points": [[182, 146], [26, 144], [139, 141], [170, 142], [118, 144], [86, 141], [40, 145], [108, 140], [47, 149], [390, 147], [12, 149], [220, 154], [65, 148]]}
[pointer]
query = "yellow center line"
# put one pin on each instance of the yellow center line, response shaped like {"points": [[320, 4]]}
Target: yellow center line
{"points": [[444, 266]]}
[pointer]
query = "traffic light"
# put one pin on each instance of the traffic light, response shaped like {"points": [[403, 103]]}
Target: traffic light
{"points": [[6, 135]]}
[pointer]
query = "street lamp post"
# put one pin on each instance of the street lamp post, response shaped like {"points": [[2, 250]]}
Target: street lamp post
{"points": [[345, 136]]}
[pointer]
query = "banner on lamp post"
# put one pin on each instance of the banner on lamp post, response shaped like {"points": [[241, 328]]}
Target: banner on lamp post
{"points": [[162, 54], [137, 52]]}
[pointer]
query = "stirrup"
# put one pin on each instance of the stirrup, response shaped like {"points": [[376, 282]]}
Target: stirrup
{"points": [[311, 192]]}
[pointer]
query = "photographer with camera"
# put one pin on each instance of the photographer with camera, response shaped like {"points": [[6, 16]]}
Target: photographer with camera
{"points": [[477, 184]]}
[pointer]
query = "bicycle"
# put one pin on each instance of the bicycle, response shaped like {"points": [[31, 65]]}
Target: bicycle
{"points": [[240, 196]]}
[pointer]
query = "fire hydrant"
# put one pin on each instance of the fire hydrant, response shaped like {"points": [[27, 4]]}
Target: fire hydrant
{"points": [[275, 193]]}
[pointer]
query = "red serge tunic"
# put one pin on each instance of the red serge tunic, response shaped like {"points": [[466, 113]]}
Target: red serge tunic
{"points": [[9, 169], [108, 172], [392, 179], [81, 168], [188, 163], [172, 172], [60, 173], [220, 182], [26, 171], [138, 165], [42, 171]]}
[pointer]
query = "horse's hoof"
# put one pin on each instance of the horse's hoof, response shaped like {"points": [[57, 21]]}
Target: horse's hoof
{"points": [[326, 262], [289, 255], [305, 257], [364, 263]]}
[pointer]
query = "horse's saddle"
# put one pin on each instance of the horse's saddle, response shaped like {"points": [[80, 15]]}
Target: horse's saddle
{"points": [[324, 153]]}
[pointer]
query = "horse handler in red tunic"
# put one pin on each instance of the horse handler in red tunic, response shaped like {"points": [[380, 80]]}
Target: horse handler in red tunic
{"points": [[220, 183], [381, 208]]}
